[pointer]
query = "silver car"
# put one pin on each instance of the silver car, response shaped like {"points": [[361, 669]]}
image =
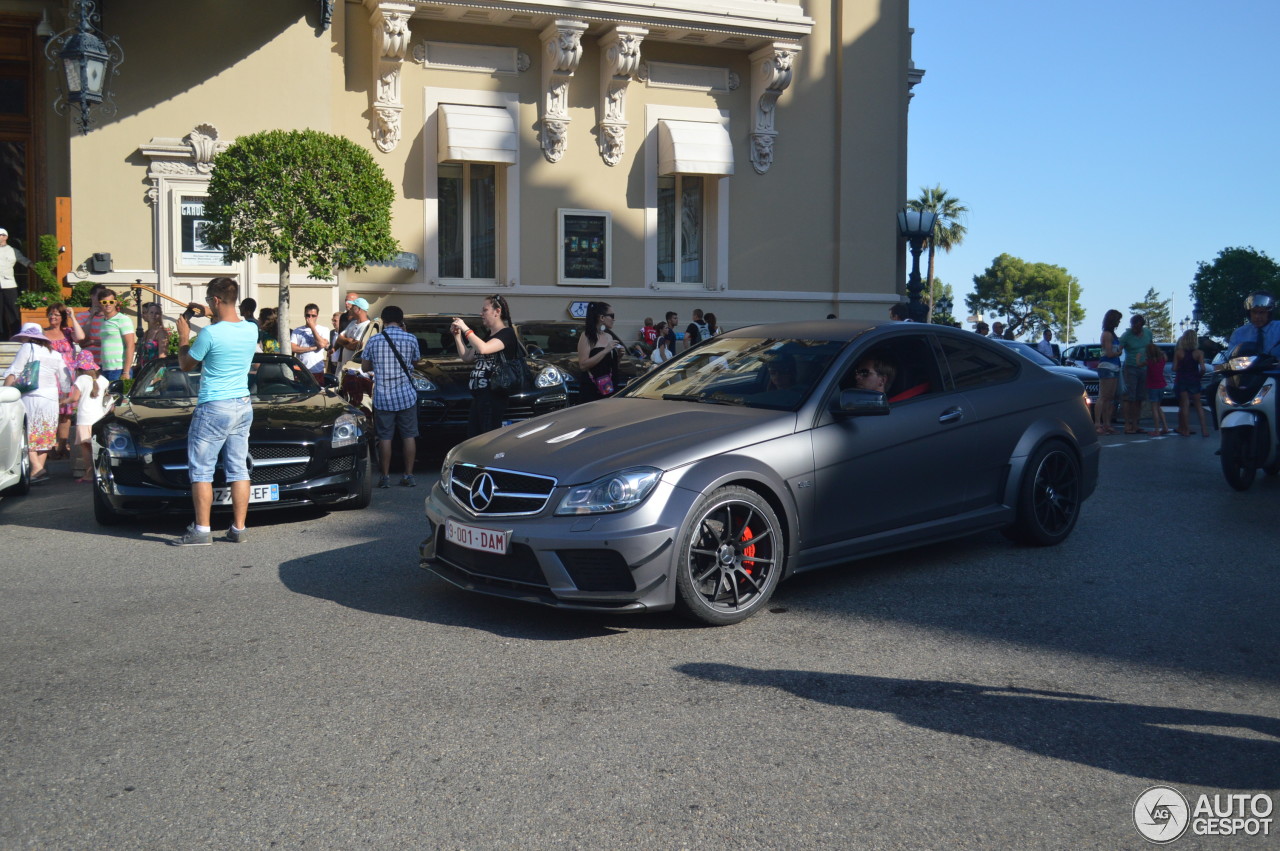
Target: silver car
{"points": [[756, 456]]}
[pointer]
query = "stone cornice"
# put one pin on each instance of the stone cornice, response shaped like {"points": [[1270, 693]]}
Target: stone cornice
{"points": [[733, 24]]}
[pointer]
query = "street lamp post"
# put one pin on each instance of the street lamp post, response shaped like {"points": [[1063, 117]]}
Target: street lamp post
{"points": [[87, 60], [916, 226]]}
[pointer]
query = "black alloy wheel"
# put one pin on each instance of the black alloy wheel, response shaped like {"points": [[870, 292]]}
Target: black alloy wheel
{"points": [[730, 557], [1049, 497]]}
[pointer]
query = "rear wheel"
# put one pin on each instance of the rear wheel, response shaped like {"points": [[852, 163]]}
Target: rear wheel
{"points": [[23, 484], [1237, 460], [730, 557], [1048, 498]]}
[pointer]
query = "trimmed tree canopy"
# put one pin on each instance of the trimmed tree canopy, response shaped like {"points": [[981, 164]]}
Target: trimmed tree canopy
{"points": [[300, 196], [1028, 296]]}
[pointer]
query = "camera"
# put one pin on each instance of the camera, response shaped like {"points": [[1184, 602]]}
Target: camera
{"points": [[188, 313]]}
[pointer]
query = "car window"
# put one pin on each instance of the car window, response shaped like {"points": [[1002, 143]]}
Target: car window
{"points": [[280, 377], [911, 360], [778, 374], [1029, 352], [163, 380], [973, 364]]}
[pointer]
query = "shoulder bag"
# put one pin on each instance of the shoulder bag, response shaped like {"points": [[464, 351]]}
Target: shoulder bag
{"points": [[511, 374], [29, 379]]}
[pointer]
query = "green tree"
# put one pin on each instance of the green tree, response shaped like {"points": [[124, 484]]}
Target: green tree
{"points": [[300, 196], [948, 230], [1220, 287], [1157, 314], [940, 310], [1029, 297]]}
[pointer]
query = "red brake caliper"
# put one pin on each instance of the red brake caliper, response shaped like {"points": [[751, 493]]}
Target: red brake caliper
{"points": [[748, 551]]}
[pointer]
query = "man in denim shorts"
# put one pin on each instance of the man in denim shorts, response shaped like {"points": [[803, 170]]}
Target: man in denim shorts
{"points": [[1135, 342], [220, 425], [395, 399]]}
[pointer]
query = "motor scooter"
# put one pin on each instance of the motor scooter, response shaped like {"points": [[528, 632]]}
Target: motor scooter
{"points": [[1246, 406]]}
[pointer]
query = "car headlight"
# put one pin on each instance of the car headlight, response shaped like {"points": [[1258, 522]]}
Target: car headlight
{"points": [[614, 492], [120, 442], [420, 383], [549, 377], [346, 431], [1241, 363]]}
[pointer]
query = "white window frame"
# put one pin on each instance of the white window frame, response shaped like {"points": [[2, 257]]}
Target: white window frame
{"points": [[715, 209], [507, 251], [177, 192]]}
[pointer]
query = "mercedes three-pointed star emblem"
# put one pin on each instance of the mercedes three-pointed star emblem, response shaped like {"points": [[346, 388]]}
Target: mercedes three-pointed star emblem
{"points": [[482, 492]]}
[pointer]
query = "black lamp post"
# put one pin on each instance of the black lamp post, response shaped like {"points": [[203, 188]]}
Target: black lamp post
{"points": [[916, 226], [86, 59]]}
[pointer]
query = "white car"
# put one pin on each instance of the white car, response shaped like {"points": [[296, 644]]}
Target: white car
{"points": [[15, 462]]}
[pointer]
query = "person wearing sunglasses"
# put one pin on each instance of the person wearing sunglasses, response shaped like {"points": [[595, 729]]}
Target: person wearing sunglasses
{"points": [[598, 352], [874, 373], [310, 340], [116, 338]]}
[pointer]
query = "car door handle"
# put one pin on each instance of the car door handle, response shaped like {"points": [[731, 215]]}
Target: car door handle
{"points": [[951, 415]]}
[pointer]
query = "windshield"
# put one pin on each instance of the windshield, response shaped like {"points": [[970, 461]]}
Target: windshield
{"points": [[434, 337], [552, 338], [1029, 352], [270, 375], [749, 371]]}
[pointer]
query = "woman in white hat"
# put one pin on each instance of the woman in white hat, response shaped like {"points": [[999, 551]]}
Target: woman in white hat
{"points": [[42, 402]]}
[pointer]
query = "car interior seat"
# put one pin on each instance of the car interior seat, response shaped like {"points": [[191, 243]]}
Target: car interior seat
{"points": [[175, 385], [273, 380]]}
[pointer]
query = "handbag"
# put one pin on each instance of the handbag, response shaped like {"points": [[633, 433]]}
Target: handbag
{"points": [[30, 377], [604, 384], [510, 376]]}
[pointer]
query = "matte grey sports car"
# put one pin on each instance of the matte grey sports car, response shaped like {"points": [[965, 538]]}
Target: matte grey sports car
{"points": [[756, 456]]}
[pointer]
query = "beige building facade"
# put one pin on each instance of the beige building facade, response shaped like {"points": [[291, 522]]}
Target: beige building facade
{"points": [[745, 157]]}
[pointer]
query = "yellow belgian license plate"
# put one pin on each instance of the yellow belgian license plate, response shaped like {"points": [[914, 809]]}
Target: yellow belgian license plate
{"points": [[257, 493], [476, 537]]}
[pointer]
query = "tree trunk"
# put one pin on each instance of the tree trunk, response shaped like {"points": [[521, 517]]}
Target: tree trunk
{"points": [[282, 311]]}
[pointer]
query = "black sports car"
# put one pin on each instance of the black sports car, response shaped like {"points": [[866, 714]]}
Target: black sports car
{"points": [[444, 400], [556, 341], [307, 445]]}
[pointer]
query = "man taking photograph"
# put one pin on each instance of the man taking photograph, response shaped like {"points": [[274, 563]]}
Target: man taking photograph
{"points": [[223, 415]]}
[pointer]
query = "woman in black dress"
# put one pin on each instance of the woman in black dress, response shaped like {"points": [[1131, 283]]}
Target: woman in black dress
{"points": [[598, 352], [488, 406]]}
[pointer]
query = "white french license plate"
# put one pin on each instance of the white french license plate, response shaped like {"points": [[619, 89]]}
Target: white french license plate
{"points": [[257, 493], [476, 538]]}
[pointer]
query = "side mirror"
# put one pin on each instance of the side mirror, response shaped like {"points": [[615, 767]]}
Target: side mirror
{"points": [[330, 382], [116, 388], [861, 403]]}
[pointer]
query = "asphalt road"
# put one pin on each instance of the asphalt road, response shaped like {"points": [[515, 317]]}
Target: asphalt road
{"points": [[314, 688]]}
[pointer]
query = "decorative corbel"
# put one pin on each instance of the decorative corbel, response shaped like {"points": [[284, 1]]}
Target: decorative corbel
{"points": [[770, 76], [390, 23], [204, 144], [619, 63], [561, 53]]}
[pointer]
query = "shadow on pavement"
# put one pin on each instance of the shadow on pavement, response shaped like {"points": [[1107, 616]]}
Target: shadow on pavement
{"points": [[1155, 742], [393, 584]]}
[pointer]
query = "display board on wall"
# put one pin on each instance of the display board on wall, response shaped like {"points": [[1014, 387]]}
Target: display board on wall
{"points": [[585, 247]]}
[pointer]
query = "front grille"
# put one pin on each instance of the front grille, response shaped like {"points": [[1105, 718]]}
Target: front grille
{"points": [[343, 464], [1091, 387], [513, 493], [270, 452], [597, 570], [518, 565], [269, 463], [282, 473]]}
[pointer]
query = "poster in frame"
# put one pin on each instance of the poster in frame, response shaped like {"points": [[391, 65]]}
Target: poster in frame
{"points": [[585, 247]]}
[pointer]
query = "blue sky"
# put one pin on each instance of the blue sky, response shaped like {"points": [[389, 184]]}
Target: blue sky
{"points": [[1122, 140]]}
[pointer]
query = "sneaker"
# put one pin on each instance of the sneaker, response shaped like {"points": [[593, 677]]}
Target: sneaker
{"points": [[384, 482], [193, 538], [407, 482], [237, 537]]}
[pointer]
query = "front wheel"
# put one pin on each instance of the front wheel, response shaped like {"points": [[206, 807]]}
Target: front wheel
{"points": [[1237, 460], [1048, 498], [730, 558], [23, 484], [365, 495]]}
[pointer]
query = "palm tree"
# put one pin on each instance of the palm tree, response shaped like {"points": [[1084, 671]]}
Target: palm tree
{"points": [[948, 232]]}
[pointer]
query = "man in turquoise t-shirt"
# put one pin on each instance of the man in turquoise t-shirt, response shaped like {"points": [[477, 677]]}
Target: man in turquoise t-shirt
{"points": [[1135, 342], [220, 425]]}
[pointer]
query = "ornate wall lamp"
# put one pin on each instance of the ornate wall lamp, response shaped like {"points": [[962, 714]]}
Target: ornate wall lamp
{"points": [[87, 59], [916, 227]]}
